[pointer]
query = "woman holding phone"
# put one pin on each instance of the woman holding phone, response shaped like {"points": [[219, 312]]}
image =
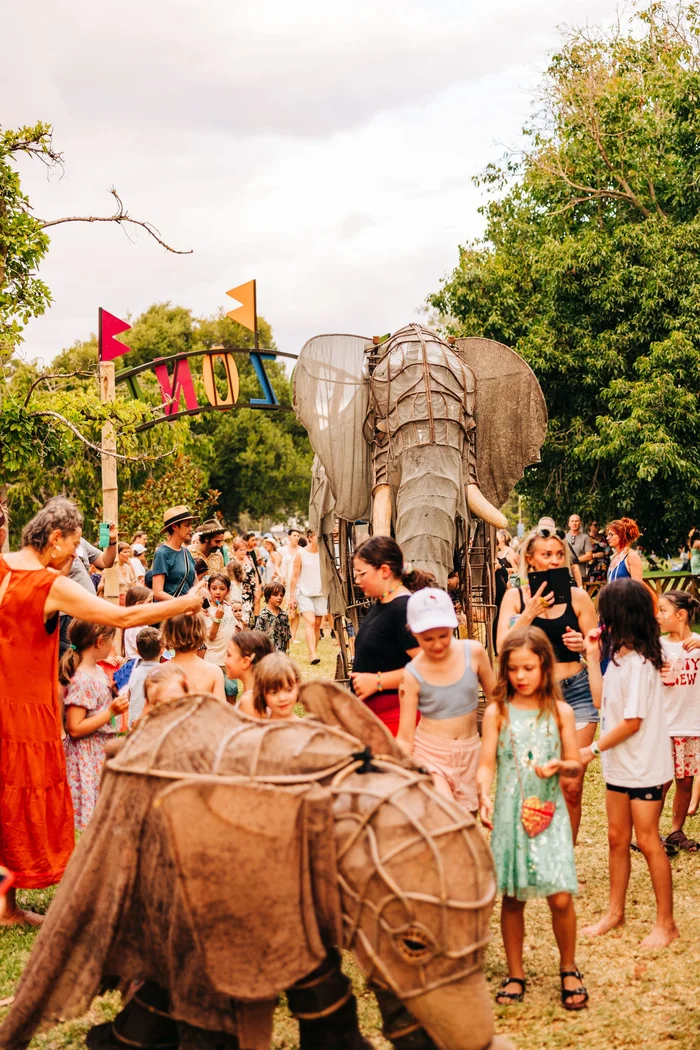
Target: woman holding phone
{"points": [[566, 620]]}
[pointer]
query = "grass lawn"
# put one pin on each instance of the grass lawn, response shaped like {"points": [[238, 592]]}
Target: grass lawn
{"points": [[637, 998]]}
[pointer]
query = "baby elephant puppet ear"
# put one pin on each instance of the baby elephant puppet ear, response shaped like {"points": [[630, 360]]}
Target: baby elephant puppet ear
{"points": [[252, 899], [510, 416], [335, 706]]}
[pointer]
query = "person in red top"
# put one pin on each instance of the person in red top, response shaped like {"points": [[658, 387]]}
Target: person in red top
{"points": [[36, 814]]}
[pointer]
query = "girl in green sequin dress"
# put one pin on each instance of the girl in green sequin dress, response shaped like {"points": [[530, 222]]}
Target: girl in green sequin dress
{"points": [[529, 739]]}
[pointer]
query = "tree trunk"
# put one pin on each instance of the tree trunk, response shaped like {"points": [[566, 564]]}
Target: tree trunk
{"points": [[4, 508]]}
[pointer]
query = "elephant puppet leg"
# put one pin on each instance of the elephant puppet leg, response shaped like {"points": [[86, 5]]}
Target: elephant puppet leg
{"points": [[143, 1022], [326, 1009], [381, 511], [398, 1025]]}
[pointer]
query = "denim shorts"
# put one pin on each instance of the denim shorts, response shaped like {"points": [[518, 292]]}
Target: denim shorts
{"points": [[577, 693]]}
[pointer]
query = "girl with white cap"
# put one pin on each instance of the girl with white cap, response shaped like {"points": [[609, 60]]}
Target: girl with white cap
{"points": [[441, 684]]}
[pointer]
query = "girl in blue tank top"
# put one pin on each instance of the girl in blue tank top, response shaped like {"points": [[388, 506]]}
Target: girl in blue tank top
{"points": [[441, 685]]}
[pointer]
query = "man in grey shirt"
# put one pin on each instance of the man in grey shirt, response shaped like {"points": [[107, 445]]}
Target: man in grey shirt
{"points": [[580, 543]]}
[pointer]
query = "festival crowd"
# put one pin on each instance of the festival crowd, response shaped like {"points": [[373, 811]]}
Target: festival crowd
{"points": [[574, 683]]}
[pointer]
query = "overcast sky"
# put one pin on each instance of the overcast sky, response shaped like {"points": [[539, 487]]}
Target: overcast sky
{"points": [[325, 149]]}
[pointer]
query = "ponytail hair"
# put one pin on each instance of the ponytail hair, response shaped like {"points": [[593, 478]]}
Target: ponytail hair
{"points": [[683, 601], [253, 644], [626, 528], [383, 550], [82, 635]]}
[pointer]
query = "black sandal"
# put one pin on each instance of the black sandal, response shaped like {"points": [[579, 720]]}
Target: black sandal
{"points": [[569, 993], [511, 997]]}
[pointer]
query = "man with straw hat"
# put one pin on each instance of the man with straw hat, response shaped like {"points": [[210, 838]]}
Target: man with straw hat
{"points": [[173, 572], [211, 538]]}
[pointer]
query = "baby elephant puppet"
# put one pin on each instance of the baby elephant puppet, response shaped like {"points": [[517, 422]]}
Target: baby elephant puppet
{"points": [[226, 860]]}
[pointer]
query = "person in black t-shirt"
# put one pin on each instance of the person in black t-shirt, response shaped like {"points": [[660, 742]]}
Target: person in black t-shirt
{"points": [[384, 644]]}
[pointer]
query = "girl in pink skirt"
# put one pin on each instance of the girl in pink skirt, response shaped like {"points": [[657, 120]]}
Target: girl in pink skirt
{"points": [[442, 685]]}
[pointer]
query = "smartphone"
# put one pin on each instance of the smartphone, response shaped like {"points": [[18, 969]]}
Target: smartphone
{"points": [[103, 540], [558, 583], [6, 880], [205, 603]]}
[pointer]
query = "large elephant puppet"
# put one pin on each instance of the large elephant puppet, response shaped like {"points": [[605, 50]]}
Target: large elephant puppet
{"points": [[417, 431], [227, 858]]}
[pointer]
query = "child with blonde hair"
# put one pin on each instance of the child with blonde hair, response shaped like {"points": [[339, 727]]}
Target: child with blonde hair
{"points": [[90, 713], [164, 683]]}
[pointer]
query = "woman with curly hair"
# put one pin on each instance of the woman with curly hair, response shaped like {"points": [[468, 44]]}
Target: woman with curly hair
{"points": [[621, 534]]}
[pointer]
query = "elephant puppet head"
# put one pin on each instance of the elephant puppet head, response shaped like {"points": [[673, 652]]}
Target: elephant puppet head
{"points": [[417, 889]]}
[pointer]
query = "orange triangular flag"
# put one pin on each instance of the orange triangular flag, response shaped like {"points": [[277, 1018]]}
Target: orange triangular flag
{"points": [[245, 313]]}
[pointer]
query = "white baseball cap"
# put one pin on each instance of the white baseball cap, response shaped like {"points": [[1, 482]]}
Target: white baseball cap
{"points": [[428, 609], [138, 548]]}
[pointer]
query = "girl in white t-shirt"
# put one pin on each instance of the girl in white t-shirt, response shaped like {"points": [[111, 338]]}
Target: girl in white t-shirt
{"points": [[681, 677], [634, 746]]}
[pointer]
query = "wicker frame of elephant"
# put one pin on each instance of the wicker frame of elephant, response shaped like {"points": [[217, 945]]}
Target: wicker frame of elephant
{"points": [[422, 438]]}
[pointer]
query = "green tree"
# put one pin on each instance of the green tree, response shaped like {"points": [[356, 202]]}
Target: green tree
{"points": [[43, 424], [590, 267]]}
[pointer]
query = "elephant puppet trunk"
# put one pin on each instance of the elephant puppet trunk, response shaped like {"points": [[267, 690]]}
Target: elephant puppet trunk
{"points": [[428, 501], [459, 1016]]}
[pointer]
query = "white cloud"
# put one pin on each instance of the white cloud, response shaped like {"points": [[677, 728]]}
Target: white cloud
{"points": [[325, 149]]}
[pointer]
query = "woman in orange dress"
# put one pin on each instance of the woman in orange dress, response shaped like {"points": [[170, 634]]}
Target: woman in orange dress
{"points": [[36, 814]]}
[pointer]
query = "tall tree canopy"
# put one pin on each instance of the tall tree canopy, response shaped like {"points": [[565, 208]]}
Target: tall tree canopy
{"points": [[590, 268]]}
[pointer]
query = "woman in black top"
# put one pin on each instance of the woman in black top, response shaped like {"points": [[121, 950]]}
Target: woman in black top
{"points": [[566, 627], [384, 644]]}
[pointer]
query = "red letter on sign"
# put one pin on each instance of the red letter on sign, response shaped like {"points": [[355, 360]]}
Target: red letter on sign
{"points": [[180, 383]]}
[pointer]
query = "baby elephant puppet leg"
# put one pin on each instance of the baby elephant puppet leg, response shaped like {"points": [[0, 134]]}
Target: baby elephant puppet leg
{"points": [[399, 1026], [144, 1021], [326, 1009]]}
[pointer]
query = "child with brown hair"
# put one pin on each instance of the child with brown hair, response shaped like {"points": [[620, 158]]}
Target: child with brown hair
{"points": [[90, 712], [276, 687], [273, 620], [245, 650], [187, 636], [529, 739]]}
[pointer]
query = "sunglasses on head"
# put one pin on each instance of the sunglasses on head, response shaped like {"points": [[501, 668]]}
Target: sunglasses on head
{"points": [[547, 534]]}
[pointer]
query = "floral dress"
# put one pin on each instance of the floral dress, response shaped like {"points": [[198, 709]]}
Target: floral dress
{"points": [[276, 627], [85, 756], [540, 866], [248, 594]]}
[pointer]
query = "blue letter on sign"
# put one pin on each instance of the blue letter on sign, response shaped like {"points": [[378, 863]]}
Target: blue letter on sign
{"points": [[260, 372]]}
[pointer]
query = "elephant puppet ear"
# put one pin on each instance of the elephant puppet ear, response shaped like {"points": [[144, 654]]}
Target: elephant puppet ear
{"points": [[510, 416], [257, 880], [331, 399], [335, 706]]}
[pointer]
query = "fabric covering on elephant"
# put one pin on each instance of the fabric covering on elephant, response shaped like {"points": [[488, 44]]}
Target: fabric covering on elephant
{"points": [[227, 856]]}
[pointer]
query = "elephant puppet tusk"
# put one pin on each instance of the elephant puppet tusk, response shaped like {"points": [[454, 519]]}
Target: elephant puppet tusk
{"points": [[481, 508]]}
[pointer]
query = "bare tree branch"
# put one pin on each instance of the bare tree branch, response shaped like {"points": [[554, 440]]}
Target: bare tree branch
{"points": [[54, 375], [120, 216], [98, 448]]}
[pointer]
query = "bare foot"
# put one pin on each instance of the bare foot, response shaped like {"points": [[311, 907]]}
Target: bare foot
{"points": [[21, 917], [604, 925], [660, 937]]}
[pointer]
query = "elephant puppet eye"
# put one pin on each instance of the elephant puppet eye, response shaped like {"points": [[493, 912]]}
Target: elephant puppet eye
{"points": [[414, 945]]}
